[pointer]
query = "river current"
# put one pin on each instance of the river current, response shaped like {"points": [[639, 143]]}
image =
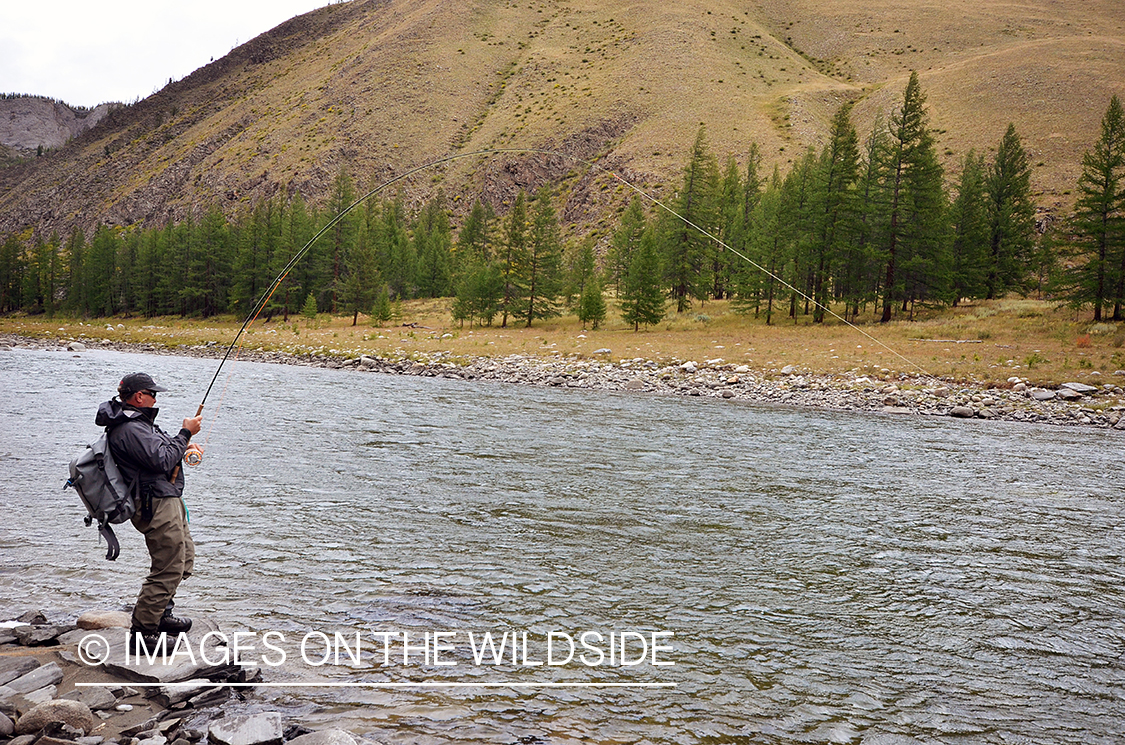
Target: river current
{"points": [[825, 576]]}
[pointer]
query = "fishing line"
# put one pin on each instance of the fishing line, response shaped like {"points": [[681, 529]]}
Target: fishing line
{"points": [[283, 275]]}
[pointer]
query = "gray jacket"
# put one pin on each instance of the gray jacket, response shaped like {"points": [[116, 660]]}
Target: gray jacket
{"points": [[143, 450]]}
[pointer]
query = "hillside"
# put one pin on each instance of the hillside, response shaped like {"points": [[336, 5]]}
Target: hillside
{"points": [[380, 86]]}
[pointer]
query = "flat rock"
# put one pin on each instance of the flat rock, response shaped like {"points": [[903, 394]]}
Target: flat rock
{"points": [[963, 412], [636, 384], [37, 636], [42, 676], [1041, 394], [1067, 394], [96, 697], [104, 619], [13, 667], [33, 617], [1080, 387], [7, 727], [166, 696], [251, 729], [76, 346], [325, 737], [64, 711], [185, 659], [41, 695], [897, 410]]}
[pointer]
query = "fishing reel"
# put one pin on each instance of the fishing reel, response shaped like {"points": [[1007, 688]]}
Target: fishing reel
{"points": [[193, 457]]}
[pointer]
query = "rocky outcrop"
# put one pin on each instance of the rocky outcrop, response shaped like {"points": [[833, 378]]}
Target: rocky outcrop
{"points": [[28, 123]]}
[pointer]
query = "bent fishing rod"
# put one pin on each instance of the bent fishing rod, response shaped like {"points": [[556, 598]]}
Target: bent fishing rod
{"points": [[194, 457]]}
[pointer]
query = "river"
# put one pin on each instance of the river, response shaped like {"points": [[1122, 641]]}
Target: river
{"points": [[824, 576]]}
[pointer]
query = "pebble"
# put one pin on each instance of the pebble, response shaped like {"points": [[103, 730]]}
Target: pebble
{"points": [[845, 392]]}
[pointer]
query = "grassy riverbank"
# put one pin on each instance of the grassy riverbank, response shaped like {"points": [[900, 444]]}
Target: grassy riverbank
{"points": [[985, 342]]}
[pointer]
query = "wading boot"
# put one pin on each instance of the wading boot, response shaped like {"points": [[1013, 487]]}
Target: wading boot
{"points": [[144, 643], [173, 624]]}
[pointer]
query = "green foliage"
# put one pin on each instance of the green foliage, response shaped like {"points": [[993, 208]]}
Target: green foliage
{"points": [[642, 297], [382, 311], [689, 253], [309, 309], [1097, 273], [591, 304], [1011, 217]]}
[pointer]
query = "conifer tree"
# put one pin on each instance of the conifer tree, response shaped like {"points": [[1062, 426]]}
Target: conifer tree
{"points": [[912, 192], [1011, 217], [591, 303], [969, 223], [837, 171], [688, 251], [433, 240], [542, 273], [381, 311], [1099, 219], [642, 297], [11, 273], [362, 274], [342, 232], [625, 241], [309, 309], [513, 260]]}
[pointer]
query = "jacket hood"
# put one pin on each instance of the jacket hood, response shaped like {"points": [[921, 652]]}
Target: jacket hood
{"points": [[112, 413]]}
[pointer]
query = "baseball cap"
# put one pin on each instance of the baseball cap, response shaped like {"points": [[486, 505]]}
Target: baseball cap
{"points": [[140, 381]]}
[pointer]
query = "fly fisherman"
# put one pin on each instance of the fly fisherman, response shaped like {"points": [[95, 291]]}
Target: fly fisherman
{"points": [[149, 460]]}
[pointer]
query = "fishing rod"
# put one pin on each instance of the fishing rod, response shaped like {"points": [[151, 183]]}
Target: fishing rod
{"points": [[195, 457]]}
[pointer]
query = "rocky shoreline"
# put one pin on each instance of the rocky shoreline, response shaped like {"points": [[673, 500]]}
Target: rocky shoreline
{"points": [[64, 683], [878, 391]]}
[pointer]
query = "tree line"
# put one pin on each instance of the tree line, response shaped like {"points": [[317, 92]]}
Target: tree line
{"points": [[858, 226]]}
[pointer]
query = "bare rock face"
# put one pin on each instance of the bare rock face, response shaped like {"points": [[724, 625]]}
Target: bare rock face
{"points": [[26, 123], [72, 713]]}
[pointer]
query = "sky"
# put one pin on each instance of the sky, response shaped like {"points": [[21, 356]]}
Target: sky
{"points": [[86, 52]]}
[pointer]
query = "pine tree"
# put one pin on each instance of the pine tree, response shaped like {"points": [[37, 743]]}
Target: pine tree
{"points": [[381, 311], [361, 274], [969, 222], [642, 298], [625, 241], [433, 240], [1099, 219], [591, 304], [543, 270], [688, 250], [513, 260], [837, 171], [912, 192], [1011, 217], [309, 309], [342, 233]]}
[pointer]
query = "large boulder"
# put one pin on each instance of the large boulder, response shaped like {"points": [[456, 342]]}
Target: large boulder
{"points": [[250, 729], [63, 711], [104, 619]]}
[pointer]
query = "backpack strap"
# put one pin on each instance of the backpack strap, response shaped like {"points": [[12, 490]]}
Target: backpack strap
{"points": [[113, 548]]}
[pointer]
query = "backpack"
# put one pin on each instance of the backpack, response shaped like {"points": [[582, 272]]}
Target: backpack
{"points": [[103, 491]]}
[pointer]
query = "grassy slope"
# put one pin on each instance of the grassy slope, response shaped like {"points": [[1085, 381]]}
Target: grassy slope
{"points": [[381, 86]]}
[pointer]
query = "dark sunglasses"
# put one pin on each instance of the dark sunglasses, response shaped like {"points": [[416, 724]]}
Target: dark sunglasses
{"points": [[150, 394]]}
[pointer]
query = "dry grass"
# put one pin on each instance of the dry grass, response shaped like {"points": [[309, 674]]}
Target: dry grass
{"points": [[378, 87], [986, 342]]}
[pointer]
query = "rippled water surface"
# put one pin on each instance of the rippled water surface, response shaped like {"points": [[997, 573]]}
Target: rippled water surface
{"points": [[829, 577]]}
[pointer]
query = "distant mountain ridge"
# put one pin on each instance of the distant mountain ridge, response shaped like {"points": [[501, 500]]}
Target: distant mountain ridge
{"points": [[377, 87]]}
